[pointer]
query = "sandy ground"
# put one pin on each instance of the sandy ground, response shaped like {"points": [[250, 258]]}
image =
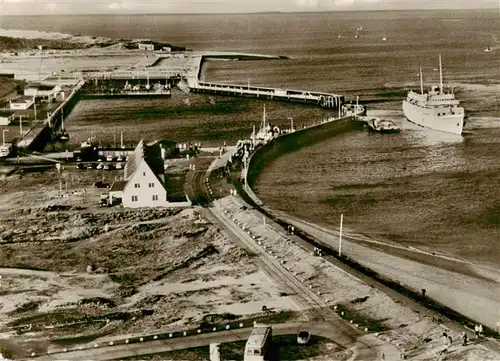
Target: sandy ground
{"points": [[34, 34], [420, 336], [35, 65], [173, 263]]}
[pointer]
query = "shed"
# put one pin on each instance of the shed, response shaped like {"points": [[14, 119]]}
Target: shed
{"points": [[6, 117], [22, 103]]}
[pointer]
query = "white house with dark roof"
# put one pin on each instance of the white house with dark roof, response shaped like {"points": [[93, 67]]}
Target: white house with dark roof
{"points": [[143, 183]]}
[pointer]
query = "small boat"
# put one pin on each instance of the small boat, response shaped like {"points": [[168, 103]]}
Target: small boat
{"points": [[381, 125], [384, 38], [487, 49], [64, 136], [350, 109], [89, 143]]}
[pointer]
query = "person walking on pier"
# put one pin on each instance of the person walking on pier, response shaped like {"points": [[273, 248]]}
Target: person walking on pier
{"points": [[476, 331], [480, 329], [464, 339]]}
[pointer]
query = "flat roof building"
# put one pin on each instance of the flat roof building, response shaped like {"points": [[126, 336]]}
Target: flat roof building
{"points": [[22, 102], [43, 91], [146, 46], [6, 117]]}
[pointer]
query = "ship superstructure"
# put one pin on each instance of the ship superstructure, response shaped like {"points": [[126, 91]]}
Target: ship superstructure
{"points": [[436, 109]]}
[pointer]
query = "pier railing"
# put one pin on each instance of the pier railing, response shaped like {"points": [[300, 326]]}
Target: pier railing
{"points": [[326, 100]]}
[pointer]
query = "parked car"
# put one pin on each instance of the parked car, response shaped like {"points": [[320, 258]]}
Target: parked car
{"points": [[119, 165], [80, 166], [101, 184], [105, 167], [99, 166], [303, 337], [109, 158], [101, 158], [119, 159], [90, 166], [79, 159]]}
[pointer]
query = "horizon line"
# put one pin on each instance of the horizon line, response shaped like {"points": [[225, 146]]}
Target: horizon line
{"points": [[258, 12]]}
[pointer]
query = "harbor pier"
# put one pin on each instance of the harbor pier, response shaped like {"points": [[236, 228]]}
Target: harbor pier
{"points": [[193, 84], [38, 136]]}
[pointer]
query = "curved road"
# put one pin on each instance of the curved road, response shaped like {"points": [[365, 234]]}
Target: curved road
{"points": [[123, 350]]}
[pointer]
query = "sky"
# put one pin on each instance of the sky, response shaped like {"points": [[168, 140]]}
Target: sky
{"points": [[35, 7]]}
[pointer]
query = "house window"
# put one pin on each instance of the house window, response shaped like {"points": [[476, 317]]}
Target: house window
{"points": [[137, 185], [155, 197], [134, 199], [151, 185]]}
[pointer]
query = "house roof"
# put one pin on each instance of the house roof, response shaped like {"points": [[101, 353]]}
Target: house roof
{"points": [[41, 86], [118, 186], [21, 99], [6, 113], [151, 154]]}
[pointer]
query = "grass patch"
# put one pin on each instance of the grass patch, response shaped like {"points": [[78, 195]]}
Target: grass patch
{"points": [[221, 320], [27, 307], [356, 317]]}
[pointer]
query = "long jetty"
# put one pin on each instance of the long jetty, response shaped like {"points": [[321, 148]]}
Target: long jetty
{"points": [[44, 129], [326, 100]]}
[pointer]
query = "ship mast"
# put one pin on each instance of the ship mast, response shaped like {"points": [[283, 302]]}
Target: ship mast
{"points": [[264, 119], [421, 82], [440, 76]]}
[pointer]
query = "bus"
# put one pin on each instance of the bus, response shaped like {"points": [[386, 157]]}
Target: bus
{"points": [[259, 344]]}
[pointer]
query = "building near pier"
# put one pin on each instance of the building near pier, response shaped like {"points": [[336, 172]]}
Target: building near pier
{"points": [[144, 182], [22, 103]]}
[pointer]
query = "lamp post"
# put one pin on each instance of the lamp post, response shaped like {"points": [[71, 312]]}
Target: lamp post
{"points": [[340, 235], [58, 167], [3, 135]]}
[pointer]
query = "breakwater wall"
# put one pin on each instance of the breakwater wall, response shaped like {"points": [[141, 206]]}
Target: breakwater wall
{"points": [[288, 143], [292, 142]]}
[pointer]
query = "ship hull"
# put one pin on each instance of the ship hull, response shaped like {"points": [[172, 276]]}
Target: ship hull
{"points": [[426, 117]]}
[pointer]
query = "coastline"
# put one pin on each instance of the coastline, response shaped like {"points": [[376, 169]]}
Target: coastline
{"points": [[477, 288]]}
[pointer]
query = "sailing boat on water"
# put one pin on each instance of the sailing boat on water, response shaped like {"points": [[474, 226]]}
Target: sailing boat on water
{"points": [[384, 38]]}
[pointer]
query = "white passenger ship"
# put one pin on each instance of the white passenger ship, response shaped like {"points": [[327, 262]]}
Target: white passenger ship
{"points": [[436, 110]]}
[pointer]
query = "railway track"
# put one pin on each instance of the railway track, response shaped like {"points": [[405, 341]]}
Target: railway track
{"points": [[316, 309]]}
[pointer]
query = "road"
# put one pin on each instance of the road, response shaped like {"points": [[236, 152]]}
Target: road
{"points": [[367, 346], [452, 282], [121, 350]]}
